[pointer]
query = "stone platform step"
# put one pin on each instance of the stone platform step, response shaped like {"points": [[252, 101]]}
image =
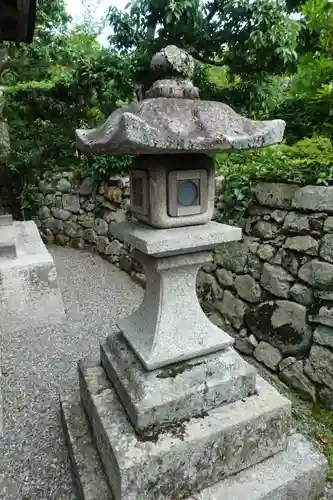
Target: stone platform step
{"points": [[297, 473], [176, 392], [189, 456], [29, 292], [7, 238]]}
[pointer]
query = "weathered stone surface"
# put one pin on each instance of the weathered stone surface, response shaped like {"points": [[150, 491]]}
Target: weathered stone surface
{"points": [[233, 309], [61, 239], [64, 186], [287, 362], [209, 267], [247, 288], [71, 229], [142, 468], [266, 252], [208, 287], [323, 294], [44, 213], [60, 213], [314, 199], [223, 323], [87, 186], [148, 126], [303, 244], [47, 237], [301, 294], [86, 220], [54, 224], [252, 243], [179, 239], [324, 316], [71, 202], [79, 243], [326, 397], [49, 200], [326, 248], [317, 273], [178, 391], [108, 216], [293, 375], [45, 187], [317, 221], [265, 230], [232, 256], [114, 248], [275, 195], [254, 266], [113, 194], [276, 280], [243, 345], [102, 244], [258, 210], [119, 216], [328, 225], [169, 325], [289, 261], [296, 473], [101, 227], [90, 236], [29, 292], [253, 340], [321, 360], [282, 324], [296, 223], [58, 201], [279, 216], [323, 335], [310, 372], [267, 354], [87, 205], [224, 277]]}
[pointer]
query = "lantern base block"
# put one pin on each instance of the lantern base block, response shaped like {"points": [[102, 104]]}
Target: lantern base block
{"points": [[243, 450]]}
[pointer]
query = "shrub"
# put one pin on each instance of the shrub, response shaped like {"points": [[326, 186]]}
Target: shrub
{"points": [[309, 161]]}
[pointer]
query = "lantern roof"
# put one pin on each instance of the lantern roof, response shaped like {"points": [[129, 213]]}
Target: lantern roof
{"points": [[172, 119]]}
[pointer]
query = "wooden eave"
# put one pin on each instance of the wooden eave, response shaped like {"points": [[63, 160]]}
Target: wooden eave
{"points": [[17, 20]]}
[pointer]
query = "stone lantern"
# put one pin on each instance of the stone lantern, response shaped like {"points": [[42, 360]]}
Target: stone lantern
{"points": [[171, 411]]}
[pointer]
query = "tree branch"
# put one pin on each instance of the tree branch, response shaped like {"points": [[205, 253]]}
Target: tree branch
{"points": [[210, 62]]}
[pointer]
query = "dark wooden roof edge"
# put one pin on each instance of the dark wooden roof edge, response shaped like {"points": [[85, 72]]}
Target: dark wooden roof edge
{"points": [[23, 29], [31, 20]]}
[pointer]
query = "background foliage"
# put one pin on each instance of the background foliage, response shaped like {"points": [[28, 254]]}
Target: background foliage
{"points": [[266, 58]]}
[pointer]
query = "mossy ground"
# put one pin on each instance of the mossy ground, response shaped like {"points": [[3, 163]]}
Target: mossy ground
{"points": [[317, 423]]}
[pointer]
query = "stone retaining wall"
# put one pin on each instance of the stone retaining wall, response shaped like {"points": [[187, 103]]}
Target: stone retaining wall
{"points": [[79, 212], [273, 291]]}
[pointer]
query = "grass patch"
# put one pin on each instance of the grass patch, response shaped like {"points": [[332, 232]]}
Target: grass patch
{"points": [[317, 423]]}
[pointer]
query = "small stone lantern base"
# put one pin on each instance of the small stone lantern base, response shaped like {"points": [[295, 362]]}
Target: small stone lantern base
{"points": [[170, 326]]}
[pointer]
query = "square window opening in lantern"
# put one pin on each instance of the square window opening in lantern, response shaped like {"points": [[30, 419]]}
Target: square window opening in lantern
{"points": [[139, 192], [187, 192]]}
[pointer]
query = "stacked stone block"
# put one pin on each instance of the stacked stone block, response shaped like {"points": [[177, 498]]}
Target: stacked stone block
{"points": [[80, 212], [274, 290]]}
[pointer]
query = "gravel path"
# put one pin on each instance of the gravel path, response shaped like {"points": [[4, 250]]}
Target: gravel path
{"points": [[39, 364]]}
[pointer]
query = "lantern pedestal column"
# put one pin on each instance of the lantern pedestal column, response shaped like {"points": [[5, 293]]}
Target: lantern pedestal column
{"points": [[170, 325]]}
